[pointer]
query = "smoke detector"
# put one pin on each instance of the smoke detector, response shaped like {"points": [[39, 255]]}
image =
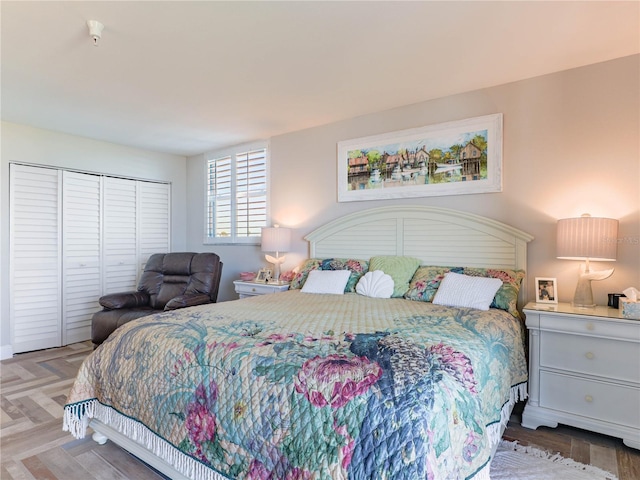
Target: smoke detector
{"points": [[95, 30]]}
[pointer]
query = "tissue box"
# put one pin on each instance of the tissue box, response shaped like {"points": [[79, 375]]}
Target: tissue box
{"points": [[630, 308]]}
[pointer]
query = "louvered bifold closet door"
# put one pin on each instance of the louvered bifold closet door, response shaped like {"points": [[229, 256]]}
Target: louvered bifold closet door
{"points": [[35, 245], [120, 244], [154, 207], [82, 275]]}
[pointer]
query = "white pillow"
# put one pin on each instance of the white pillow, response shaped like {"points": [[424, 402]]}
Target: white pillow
{"points": [[458, 290], [376, 284], [326, 281]]}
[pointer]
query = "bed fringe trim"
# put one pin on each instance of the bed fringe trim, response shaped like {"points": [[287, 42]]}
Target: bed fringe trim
{"points": [[78, 416], [495, 430], [556, 458]]}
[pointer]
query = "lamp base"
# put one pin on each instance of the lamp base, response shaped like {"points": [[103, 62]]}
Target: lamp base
{"points": [[277, 260], [584, 296]]}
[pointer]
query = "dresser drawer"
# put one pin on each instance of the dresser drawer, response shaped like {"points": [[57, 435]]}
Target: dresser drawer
{"points": [[592, 399], [601, 328], [604, 357]]}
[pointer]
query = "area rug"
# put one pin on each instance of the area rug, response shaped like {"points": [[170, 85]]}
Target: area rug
{"points": [[518, 462]]}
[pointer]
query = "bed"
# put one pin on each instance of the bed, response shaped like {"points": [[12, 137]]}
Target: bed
{"points": [[299, 385]]}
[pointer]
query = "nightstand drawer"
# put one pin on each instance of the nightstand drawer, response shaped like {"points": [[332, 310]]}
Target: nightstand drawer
{"points": [[593, 326], [592, 399], [603, 357], [258, 289], [250, 289]]}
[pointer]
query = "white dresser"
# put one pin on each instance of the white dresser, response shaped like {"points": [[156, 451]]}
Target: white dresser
{"points": [[250, 289], [584, 370]]}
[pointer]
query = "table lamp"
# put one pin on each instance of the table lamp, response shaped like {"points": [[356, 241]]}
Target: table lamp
{"points": [[587, 238], [276, 239]]}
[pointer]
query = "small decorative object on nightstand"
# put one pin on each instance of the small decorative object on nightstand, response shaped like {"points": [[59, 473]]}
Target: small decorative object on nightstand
{"points": [[546, 290], [247, 276], [631, 303], [584, 370], [251, 289], [263, 276]]}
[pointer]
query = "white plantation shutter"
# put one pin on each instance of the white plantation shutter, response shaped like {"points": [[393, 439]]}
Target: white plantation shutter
{"points": [[251, 193], [136, 225], [36, 244], [237, 196], [154, 206], [219, 198], [81, 254], [120, 235]]}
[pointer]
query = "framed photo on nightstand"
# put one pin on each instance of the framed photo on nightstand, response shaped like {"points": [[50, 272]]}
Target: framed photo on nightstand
{"points": [[546, 290], [264, 275]]}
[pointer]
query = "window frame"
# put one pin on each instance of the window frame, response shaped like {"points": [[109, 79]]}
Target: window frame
{"points": [[233, 152]]}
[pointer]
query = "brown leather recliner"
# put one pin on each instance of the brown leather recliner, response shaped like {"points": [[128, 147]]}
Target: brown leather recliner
{"points": [[169, 281]]}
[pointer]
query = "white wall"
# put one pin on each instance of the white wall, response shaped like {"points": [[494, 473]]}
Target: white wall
{"points": [[31, 145], [571, 145]]}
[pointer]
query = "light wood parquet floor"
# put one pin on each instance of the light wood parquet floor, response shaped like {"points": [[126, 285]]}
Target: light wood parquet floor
{"points": [[33, 446]]}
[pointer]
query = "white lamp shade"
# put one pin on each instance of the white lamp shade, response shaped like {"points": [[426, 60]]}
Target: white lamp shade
{"points": [[587, 237], [276, 239]]}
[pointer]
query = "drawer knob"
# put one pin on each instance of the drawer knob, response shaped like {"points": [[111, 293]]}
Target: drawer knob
{"points": [[588, 398], [590, 326], [253, 289], [589, 355]]}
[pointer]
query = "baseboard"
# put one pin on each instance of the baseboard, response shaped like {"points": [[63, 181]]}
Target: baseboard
{"points": [[6, 352]]}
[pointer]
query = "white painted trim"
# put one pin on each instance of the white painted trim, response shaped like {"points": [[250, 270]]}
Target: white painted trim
{"points": [[6, 352]]}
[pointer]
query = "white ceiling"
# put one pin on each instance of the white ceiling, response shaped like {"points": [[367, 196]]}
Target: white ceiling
{"points": [[188, 77]]}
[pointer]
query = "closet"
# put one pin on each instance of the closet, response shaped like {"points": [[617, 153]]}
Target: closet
{"points": [[74, 237]]}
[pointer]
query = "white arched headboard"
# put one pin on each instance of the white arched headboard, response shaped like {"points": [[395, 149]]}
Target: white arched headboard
{"points": [[437, 236]]}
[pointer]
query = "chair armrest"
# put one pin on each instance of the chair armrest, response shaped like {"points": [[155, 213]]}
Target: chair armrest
{"points": [[115, 301], [187, 301]]}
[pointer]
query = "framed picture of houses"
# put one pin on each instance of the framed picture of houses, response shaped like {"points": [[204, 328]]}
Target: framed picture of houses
{"points": [[453, 158]]}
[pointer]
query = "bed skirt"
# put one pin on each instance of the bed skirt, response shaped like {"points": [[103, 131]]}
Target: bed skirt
{"points": [[123, 429]]}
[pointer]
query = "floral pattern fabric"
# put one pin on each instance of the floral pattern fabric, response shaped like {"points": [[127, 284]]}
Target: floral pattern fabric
{"points": [[292, 386], [426, 281], [357, 267]]}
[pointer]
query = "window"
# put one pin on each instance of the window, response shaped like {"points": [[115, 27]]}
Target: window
{"points": [[237, 196]]}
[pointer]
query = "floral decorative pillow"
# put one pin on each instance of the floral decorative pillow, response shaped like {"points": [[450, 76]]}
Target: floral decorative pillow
{"points": [[507, 296], [426, 281], [303, 272], [357, 267]]}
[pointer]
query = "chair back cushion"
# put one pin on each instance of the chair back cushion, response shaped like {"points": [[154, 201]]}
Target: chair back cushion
{"points": [[168, 275]]}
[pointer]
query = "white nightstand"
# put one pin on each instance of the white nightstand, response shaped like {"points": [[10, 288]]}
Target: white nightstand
{"points": [[584, 370], [251, 289]]}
